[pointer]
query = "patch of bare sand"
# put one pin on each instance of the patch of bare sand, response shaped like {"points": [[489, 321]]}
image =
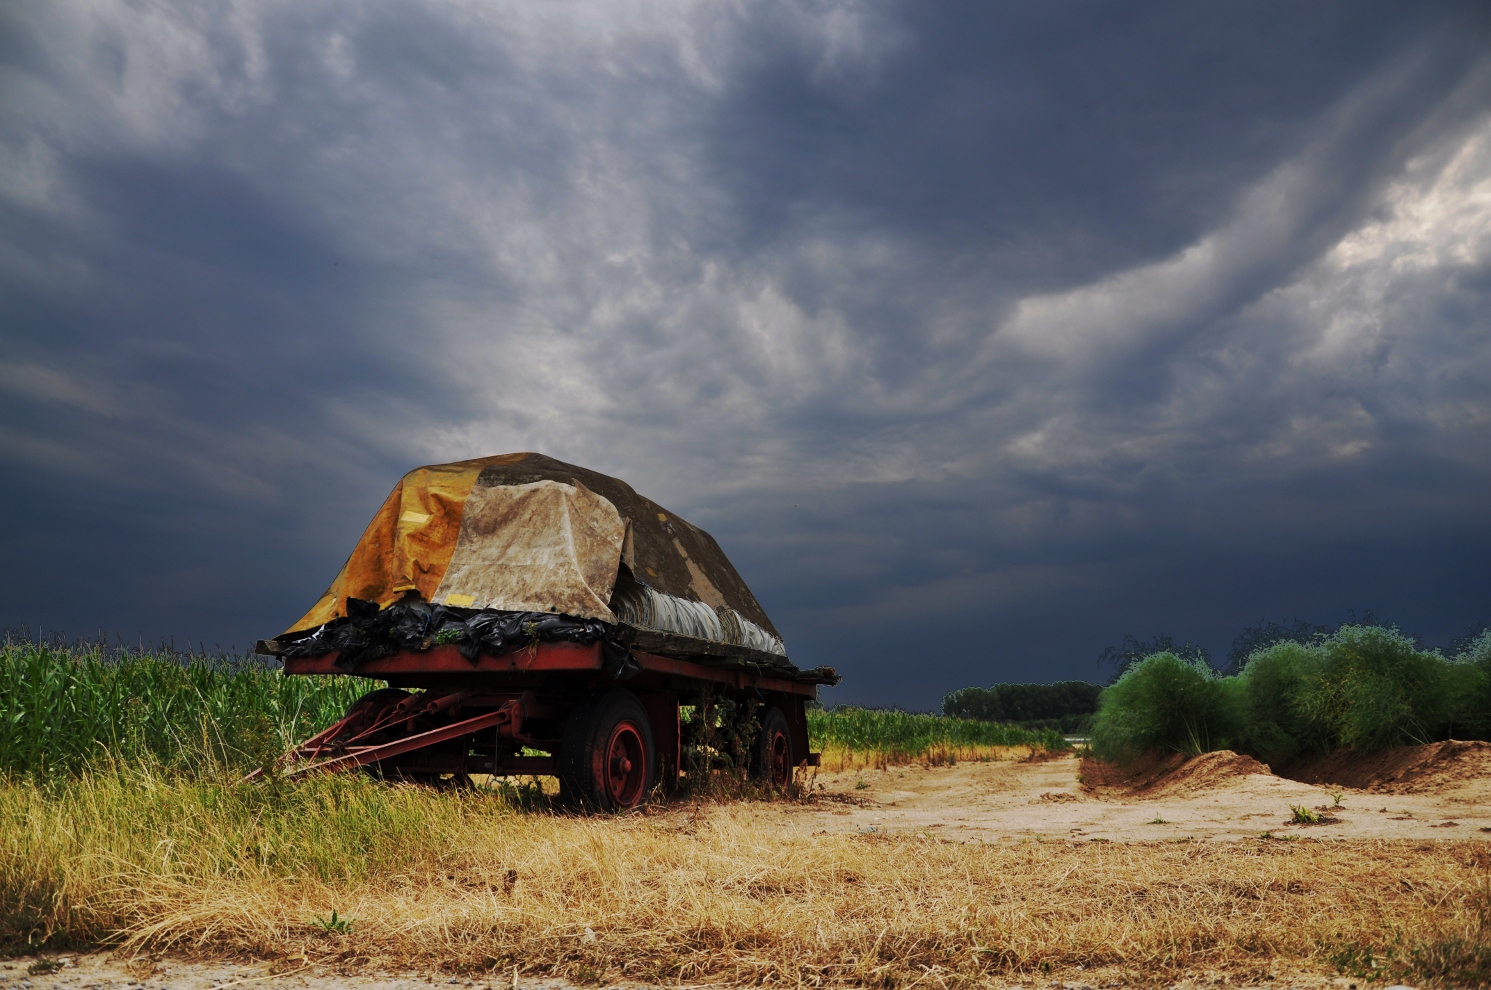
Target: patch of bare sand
{"points": [[1216, 796], [105, 971]]}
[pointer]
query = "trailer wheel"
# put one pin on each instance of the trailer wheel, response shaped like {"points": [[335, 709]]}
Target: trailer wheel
{"points": [[375, 705], [382, 697], [607, 760], [771, 753], [371, 707]]}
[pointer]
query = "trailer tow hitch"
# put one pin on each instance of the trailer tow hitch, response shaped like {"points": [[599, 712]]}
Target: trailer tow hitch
{"points": [[350, 742]]}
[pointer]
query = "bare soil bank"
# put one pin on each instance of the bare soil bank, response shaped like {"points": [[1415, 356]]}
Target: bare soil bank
{"points": [[1435, 768]]}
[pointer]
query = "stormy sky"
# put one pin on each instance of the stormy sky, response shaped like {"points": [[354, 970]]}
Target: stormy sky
{"points": [[978, 334]]}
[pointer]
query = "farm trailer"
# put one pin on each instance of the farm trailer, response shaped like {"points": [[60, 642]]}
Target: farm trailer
{"points": [[517, 605]]}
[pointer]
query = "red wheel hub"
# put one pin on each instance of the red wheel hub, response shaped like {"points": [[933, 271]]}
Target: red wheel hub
{"points": [[779, 761], [625, 766]]}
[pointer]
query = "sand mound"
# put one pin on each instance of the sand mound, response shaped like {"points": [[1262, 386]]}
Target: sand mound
{"points": [[1406, 770], [1157, 773]]}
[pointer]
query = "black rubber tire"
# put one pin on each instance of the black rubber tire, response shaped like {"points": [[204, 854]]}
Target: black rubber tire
{"points": [[771, 753], [384, 695], [386, 698], [607, 758], [375, 701]]}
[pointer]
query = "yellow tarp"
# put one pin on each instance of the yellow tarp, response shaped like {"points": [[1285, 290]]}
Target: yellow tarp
{"points": [[524, 532], [407, 546]]}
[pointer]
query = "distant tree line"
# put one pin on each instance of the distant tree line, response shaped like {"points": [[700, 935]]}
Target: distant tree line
{"points": [[1065, 705]]}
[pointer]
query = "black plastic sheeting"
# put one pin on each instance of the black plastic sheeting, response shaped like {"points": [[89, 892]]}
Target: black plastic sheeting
{"points": [[369, 633]]}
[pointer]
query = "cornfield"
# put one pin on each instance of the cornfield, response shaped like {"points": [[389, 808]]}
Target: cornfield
{"points": [[851, 737], [63, 709]]}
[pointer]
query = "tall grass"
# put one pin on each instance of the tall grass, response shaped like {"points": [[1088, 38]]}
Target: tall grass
{"points": [[129, 850], [725, 894], [875, 737], [66, 708], [1361, 687]]}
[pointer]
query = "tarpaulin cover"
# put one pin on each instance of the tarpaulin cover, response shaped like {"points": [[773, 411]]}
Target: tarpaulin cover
{"points": [[527, 533]]}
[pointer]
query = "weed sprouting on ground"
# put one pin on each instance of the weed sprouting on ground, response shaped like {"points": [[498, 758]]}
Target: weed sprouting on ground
{"points": [[1361, 687], [1303, 815]]}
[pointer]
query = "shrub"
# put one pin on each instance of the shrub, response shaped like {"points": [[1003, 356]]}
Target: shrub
{"points": [[1478, 651], [1164, 702], [1271, 726], [1371, 688], [1362, 687], [1256, 639], [1133, 651]]}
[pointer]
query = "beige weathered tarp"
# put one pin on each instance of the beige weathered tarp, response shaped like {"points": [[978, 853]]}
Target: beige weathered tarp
{"points": [[540, 547], [524, 532]]}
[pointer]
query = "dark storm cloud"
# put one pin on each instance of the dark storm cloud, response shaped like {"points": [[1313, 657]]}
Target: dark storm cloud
{"points": [[980, 336], [1065, 140]]}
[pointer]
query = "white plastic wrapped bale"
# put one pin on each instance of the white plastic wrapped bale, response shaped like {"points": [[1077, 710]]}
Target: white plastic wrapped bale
{"points": [[652, 609]]}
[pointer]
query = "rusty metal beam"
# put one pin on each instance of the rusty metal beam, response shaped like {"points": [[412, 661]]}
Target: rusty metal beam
{"points": [[448, 660], [742, 680], [546, 657], [509, 713]]}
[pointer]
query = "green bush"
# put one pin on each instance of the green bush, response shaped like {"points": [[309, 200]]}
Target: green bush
{"points": [[1479, 650], [1360, 687], [1372, 689], [1168, 703], [1271, 725]]}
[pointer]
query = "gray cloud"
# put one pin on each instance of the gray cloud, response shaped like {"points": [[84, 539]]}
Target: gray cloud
{"points": [[980, 337]]}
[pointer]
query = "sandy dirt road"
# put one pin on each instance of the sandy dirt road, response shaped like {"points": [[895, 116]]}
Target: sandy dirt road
{"points": [[1219, 796], [99, 971]]}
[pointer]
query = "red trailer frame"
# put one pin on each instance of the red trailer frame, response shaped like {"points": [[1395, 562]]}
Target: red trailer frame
{"points": [[610, 742]]}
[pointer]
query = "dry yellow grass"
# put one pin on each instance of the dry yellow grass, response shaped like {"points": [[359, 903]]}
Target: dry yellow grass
{"points": [[708, 893], [838, 759]]}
